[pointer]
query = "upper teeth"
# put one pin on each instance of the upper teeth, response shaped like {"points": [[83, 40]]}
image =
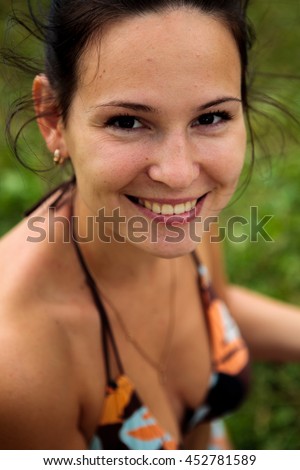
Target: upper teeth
{"points": [[168, 209]]}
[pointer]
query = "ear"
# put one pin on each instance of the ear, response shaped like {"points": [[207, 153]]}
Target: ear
{"points": [[48, 116]]}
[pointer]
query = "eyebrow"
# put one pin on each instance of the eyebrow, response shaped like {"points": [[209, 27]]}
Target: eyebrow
{"points": [[225, 99], [149, 109]]}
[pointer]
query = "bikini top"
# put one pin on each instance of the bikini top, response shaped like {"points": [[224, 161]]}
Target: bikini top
{"points": [[127, 423]]}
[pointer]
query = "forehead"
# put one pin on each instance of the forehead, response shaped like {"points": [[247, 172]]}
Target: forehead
{"points": [[179, 51]]}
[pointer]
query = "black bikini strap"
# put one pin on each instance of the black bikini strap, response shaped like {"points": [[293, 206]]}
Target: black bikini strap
{"points": [[64, 187], [106, 328], [196, 260]]}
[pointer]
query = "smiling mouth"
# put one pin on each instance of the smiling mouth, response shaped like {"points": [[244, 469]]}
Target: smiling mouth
{"points": [[166, 209]]}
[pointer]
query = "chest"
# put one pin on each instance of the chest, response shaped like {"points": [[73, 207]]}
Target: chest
{"points": [[188, 365]]}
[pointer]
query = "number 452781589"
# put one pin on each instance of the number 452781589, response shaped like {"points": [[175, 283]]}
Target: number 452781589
{"points": [[217, 459]]}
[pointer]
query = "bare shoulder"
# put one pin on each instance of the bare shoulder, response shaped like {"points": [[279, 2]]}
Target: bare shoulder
{"points": [[25, 252], [38, 410], [39, 392]]}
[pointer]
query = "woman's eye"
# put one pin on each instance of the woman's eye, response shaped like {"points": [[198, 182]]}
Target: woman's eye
{"points": [[124, 122], [212, 119]]}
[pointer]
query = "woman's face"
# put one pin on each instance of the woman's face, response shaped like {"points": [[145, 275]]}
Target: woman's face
{"points": [[156, 127]]}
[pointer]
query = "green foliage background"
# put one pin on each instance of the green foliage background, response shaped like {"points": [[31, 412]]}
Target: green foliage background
{"points": [[271, 417]]}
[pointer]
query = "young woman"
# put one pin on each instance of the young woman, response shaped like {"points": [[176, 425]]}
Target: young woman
{"points": [[112, 336]]}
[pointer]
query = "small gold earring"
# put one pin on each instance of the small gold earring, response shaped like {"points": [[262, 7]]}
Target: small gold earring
{"points": [[58, 159]]}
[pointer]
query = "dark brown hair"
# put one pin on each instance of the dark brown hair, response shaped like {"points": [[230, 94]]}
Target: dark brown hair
{"points": [[71, 25]]}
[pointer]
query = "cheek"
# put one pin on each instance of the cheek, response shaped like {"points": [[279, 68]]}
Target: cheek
{"points": [[104, 158], [120, 164], [226, 159], [107, 164]]}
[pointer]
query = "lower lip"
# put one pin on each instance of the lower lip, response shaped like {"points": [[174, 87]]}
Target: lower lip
{"points": [[181, 219]]}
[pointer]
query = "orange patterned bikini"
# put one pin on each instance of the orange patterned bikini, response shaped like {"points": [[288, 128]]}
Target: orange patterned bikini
{"points": [[126, 423]]}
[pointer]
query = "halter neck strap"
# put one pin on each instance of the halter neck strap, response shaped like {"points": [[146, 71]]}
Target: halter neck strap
{"points": [[106, 328]]}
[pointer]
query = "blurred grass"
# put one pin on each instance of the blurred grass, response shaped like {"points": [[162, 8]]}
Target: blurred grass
{"points": [[270, 419]]}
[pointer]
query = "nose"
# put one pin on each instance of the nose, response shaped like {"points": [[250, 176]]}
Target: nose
{"points": [[174, 163]]}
